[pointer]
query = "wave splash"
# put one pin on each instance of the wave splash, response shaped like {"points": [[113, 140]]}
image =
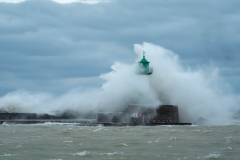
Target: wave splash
{"points": [[197, 92]]}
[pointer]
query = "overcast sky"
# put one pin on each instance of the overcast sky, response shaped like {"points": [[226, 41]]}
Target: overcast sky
{"points": [[48, 46]]}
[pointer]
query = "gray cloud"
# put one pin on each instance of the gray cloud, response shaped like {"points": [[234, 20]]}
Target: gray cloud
{"points": [[43, 43]]}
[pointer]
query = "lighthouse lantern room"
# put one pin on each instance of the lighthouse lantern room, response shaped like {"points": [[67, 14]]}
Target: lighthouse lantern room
{"points": [[143, 68]]}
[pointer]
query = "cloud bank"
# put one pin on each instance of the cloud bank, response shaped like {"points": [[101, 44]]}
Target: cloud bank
{"points": [[60, 1], [44, 44], [12, 1]]}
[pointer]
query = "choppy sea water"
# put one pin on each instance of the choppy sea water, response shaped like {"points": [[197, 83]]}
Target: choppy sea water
{"points": [[69, 141]]}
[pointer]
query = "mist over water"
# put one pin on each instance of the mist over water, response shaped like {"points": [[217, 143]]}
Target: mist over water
{"points": [[197, 92]]}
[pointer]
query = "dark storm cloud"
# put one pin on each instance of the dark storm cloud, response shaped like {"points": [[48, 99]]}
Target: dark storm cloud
{"points": [[42, 42]]}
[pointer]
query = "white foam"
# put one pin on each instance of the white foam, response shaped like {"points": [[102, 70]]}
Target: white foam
{"points": [[100, 129], [197, 92], [8, 155], [213, 156], [5, 124], [84, 153], [68, 141], [173, 138], [124, 144], [110, 154]]}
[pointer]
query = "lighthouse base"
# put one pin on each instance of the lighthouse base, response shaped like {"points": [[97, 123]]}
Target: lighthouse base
{"points": [[142, 115]]}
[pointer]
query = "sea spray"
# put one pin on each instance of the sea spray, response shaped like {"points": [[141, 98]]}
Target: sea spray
{"points": [[197, 92]]}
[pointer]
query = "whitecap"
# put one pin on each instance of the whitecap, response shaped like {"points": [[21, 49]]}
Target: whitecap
{"points": [[173, 138], [213, 156], [8, 155], [67, 141], [111, 154], [84, 153], [99, 129], [124, 144], [5, 124], [107, 154]]}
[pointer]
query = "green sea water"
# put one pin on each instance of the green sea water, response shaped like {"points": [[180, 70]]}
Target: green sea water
{"points": [[69, 141]]}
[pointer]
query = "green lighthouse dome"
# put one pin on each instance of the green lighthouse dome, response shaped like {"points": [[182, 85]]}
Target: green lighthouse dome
{"points": [[143, 60], [143, 68]]}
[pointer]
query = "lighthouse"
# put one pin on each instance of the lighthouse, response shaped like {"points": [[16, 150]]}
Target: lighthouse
{"points": [[143, 68], [144, 110]]}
